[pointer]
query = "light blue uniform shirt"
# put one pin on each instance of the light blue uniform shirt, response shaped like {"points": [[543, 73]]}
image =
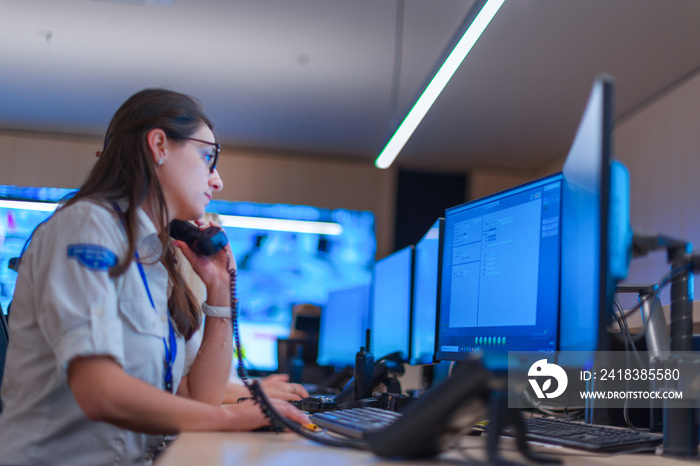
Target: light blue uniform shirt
{"points": [[66, 305]]}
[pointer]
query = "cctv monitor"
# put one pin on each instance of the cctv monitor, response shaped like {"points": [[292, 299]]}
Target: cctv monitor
{"points": [[390, 311], [425, 289], [499, 285]]}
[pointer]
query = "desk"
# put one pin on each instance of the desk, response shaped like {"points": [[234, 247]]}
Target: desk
{"points": [[289, 449]]}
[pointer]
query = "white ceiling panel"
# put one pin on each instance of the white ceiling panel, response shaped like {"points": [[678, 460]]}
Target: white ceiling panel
{"points": [[335, 77]]}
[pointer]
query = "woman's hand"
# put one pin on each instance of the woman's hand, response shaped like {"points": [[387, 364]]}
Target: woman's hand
{"points": [[278, 386], [247, 415], [214, 270]]}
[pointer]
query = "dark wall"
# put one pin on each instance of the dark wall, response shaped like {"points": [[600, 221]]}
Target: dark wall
{"points": [[421, 198]]}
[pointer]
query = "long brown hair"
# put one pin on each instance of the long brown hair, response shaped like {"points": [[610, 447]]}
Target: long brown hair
{"points": [[125, 170]]}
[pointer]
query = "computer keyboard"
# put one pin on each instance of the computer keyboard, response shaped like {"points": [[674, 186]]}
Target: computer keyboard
{"points": [[356, 423], [589, 437], [359, 423]]}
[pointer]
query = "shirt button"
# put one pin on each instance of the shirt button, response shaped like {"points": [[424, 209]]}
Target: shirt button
{"points": [[99, 312], [163, 318]]}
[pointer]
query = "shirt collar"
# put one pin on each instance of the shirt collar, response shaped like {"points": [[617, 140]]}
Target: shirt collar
{"points": [[148, 244], [147, 241]]}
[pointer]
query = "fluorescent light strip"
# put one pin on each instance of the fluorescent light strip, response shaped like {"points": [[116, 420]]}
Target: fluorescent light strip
{"points": [[438, 83], [277, 224], [255, 223], [28, 205]]}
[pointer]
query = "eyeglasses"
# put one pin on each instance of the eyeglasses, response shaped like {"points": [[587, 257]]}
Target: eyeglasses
{"points": [[210, 159]]}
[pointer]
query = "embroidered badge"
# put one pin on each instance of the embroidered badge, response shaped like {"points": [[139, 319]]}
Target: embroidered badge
{"points": [[92, 256]]}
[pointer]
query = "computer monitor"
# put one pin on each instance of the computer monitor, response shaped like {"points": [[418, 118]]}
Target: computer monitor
{"points": [[22, 209], [425, 289], [259, 344], [499, 286], [392, 299], [344, 322], [596, 237]]}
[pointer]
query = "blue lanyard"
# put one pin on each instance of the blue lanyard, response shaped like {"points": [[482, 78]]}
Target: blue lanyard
{"points": [[170, 349]]}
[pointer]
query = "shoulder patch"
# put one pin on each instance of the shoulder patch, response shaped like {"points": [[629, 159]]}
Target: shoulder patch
{"points": [[92, 256]]}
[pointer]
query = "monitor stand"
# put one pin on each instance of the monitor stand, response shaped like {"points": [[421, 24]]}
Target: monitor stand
{"points": [[681, 424], [501, 418]]}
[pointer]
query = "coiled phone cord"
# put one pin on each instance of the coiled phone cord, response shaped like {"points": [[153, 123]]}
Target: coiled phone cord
{"points": [[277, 421]]}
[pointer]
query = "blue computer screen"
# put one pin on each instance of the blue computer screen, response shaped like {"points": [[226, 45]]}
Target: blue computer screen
{"points": [[344, 322], [425, 289], [500, 272], [390, 312]]}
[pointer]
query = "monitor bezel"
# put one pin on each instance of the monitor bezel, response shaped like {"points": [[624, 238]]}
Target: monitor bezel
{"points": [[474, 203], [413, 359], [602, 96]]}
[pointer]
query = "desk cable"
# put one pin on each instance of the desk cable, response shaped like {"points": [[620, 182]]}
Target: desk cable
{"points": [[277, 421]]}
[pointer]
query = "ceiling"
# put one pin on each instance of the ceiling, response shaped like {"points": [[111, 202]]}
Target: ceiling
{"points": [[333, 78]]}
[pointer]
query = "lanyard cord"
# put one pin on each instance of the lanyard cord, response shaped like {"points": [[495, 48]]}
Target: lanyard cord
{"points": [[170, 349]]}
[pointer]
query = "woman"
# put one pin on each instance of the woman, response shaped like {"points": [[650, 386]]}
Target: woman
{"points": [[101, 315]]}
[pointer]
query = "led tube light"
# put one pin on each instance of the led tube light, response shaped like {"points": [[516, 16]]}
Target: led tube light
{"points": [[256, 223], [278, 224], [28, 205], [437, 84]]}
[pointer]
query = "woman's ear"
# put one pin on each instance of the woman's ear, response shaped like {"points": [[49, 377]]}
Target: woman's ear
{"points": [[157, 142]]}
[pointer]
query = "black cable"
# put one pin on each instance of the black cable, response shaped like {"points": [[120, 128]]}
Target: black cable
{"points": [[242, 373], [625, 408], [627, 335], [623, 323], [277, 421], [630, 346]]}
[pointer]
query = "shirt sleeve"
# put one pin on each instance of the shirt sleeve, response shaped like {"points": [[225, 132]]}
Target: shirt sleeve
{"points": [[77, 300]]}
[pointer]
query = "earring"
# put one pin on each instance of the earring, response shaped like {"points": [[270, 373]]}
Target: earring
{"points": [[160, 161]]}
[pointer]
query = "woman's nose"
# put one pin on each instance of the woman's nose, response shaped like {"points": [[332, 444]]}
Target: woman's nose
{"points": [[215, 181]]}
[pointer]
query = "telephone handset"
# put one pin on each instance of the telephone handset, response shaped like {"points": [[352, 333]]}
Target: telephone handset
{"points": [[203, 242], [434, 421]]}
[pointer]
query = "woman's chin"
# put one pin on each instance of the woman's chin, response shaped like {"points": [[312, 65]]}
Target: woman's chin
{"points": [[192, 216]]}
